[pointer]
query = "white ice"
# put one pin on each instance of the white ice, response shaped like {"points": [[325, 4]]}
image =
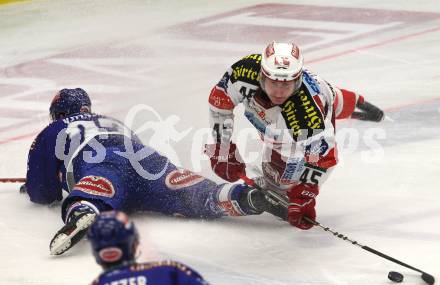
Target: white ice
{"points": [[386, 197]]}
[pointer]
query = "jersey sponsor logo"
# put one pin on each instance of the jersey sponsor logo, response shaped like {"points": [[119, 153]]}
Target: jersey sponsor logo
{"points": [[247, 69], [294, 168], [291, 118], [95, 185], [110, 254], [241, 72], [179, 179], [302, 115]]}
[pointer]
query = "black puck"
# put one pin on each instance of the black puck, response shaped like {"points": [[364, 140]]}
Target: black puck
{"points": [[395, 276]]}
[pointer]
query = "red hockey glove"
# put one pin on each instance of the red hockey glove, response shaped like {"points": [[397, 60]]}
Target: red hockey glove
{"points": [[226, 161], [302, 203]]}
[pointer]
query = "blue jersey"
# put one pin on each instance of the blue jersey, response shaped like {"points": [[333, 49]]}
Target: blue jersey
{"points": [[98, 159], [151, 273], [59, 152]]}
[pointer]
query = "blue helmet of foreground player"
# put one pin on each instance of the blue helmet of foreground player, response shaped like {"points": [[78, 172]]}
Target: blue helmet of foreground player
{"points": [[69, 101], [114, 239]]}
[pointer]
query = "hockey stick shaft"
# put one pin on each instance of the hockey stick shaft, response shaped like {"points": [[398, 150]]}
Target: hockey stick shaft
{"points": [[12, 180], [428, 278]]}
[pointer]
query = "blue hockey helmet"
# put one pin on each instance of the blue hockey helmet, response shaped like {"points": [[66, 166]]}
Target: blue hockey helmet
{"points": [[114, 239], [69, 101]]}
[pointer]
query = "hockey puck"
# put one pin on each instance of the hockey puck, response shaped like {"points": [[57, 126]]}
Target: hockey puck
{"points": [[395, 276]]}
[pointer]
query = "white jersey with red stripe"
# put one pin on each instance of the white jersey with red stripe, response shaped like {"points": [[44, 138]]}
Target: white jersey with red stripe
{"points": [[298, 134]]}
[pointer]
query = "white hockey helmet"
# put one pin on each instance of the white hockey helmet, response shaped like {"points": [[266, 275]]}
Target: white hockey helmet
{"points": [[282, 62]]}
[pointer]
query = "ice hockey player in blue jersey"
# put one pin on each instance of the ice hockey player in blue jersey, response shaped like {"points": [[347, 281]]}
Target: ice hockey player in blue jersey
{"points": [[103, 166], [115, 240]]}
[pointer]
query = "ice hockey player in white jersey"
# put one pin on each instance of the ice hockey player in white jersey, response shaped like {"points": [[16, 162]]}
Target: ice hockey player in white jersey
{"points": [[294, 112]]}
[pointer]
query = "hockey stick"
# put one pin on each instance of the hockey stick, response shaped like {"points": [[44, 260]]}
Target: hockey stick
{"points": [[12, 180], [428, 278]]}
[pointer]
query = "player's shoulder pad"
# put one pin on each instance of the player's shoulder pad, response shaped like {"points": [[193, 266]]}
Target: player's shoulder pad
{"points": [[161, 264], [247, 69]]}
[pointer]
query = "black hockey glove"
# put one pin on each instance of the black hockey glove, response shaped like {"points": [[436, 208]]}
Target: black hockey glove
{"points": [[263, 203], [369, 112]]}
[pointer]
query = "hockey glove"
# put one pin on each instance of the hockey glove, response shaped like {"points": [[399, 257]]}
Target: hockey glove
{"points": [[226, 161], [302, 203], [369, 111], [262, 202]]}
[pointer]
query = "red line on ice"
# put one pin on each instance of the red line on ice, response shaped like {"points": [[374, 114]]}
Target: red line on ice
{"points": [[393, 40], [17, 138], [413, 103]]}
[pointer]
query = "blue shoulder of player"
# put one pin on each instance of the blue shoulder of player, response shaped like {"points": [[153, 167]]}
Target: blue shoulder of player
{"points": [[166, 272], [43, 168]]}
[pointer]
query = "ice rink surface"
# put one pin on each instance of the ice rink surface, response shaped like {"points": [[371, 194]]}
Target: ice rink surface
{"points": [[165, 56]]}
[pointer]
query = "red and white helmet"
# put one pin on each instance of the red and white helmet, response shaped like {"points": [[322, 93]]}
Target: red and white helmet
{"points": [[282, 62]]}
